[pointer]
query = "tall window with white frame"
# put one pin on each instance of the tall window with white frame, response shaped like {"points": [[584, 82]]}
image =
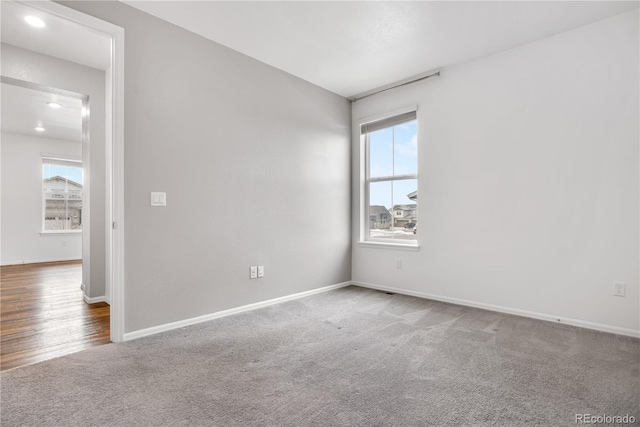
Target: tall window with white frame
{"points": [[62, 187], [391, 179]]}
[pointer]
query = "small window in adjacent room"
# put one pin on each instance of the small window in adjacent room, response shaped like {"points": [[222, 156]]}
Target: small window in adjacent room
{"points": [[62, 186], [391, 179]]}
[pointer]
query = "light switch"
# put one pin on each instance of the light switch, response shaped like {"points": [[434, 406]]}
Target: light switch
{"points": [[158, 199]]}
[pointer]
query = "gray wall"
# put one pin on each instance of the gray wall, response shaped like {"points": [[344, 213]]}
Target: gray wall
{"points": [[528, 180], [256, 166], [34, 67]]}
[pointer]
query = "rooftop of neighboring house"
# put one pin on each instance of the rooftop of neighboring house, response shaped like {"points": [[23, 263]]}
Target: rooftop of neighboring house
{"points": [[377, 209], [405, 207], [59, 178]]}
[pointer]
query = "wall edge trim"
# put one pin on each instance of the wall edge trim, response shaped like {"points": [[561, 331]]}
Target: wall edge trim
{"points": [[128, 336], [74, 258], [507, 310], [95, 300]]}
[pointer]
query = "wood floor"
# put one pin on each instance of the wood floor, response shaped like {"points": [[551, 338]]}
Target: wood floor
{"points": [[43, 314]]}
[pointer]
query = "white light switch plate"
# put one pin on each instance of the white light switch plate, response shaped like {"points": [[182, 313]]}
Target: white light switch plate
{"points": [[158, 199]]}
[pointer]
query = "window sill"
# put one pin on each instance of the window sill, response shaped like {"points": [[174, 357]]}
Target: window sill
{"points": [[384, 245], [60, 232]]}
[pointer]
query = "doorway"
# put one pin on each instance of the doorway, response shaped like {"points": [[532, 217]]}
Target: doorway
{"points": [[46, 224], [66, 37]]}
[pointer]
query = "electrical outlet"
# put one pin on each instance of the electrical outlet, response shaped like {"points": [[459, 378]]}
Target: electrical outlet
{"points": [[254, 272], [619, 289], [261, 271], [399, 263]]}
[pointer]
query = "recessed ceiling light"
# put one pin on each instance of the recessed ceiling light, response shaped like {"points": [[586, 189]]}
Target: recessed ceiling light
{"points": [[54, 105], [34, 21], [39, 129]]}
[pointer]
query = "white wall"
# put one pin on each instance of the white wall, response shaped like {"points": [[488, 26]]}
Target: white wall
{"points": [[21, 201], [255, 164], [528, 180], [34, 67]]}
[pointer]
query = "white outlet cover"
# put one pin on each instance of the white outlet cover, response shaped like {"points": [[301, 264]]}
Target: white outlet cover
{"points": [[619, 289], [261, 271], [253, 272]]}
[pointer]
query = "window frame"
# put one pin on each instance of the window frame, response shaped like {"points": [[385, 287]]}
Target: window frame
{"points": [[366, 181], [59, 159]]}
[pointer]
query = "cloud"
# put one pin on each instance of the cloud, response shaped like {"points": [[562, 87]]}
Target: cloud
{"points": [[408, 149]]}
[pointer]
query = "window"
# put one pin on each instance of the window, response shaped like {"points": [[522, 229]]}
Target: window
{"points": [[61, 195], [391, 178]]}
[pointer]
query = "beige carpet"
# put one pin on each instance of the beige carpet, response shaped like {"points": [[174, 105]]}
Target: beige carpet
{"points": [[349, 357]]}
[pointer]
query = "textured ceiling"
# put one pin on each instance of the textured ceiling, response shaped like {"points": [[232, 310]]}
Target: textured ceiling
{"points": [[59, 38], [23, 109], [353, 47]]}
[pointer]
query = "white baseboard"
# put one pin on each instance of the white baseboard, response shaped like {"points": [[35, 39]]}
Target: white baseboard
{"points": [[501, 309], [194, 320], [95, 300], [37, 261]]}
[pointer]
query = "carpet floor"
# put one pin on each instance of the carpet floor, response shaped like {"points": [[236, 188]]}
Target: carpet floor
{"points": [[349, 357]]}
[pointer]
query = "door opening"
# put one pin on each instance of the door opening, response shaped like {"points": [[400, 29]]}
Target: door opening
{"points": [[62, 21]]}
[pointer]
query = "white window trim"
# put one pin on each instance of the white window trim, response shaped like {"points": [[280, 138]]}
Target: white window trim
{"points": [[61, 158], [365, 240], [375, 244], [59, 232]]}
